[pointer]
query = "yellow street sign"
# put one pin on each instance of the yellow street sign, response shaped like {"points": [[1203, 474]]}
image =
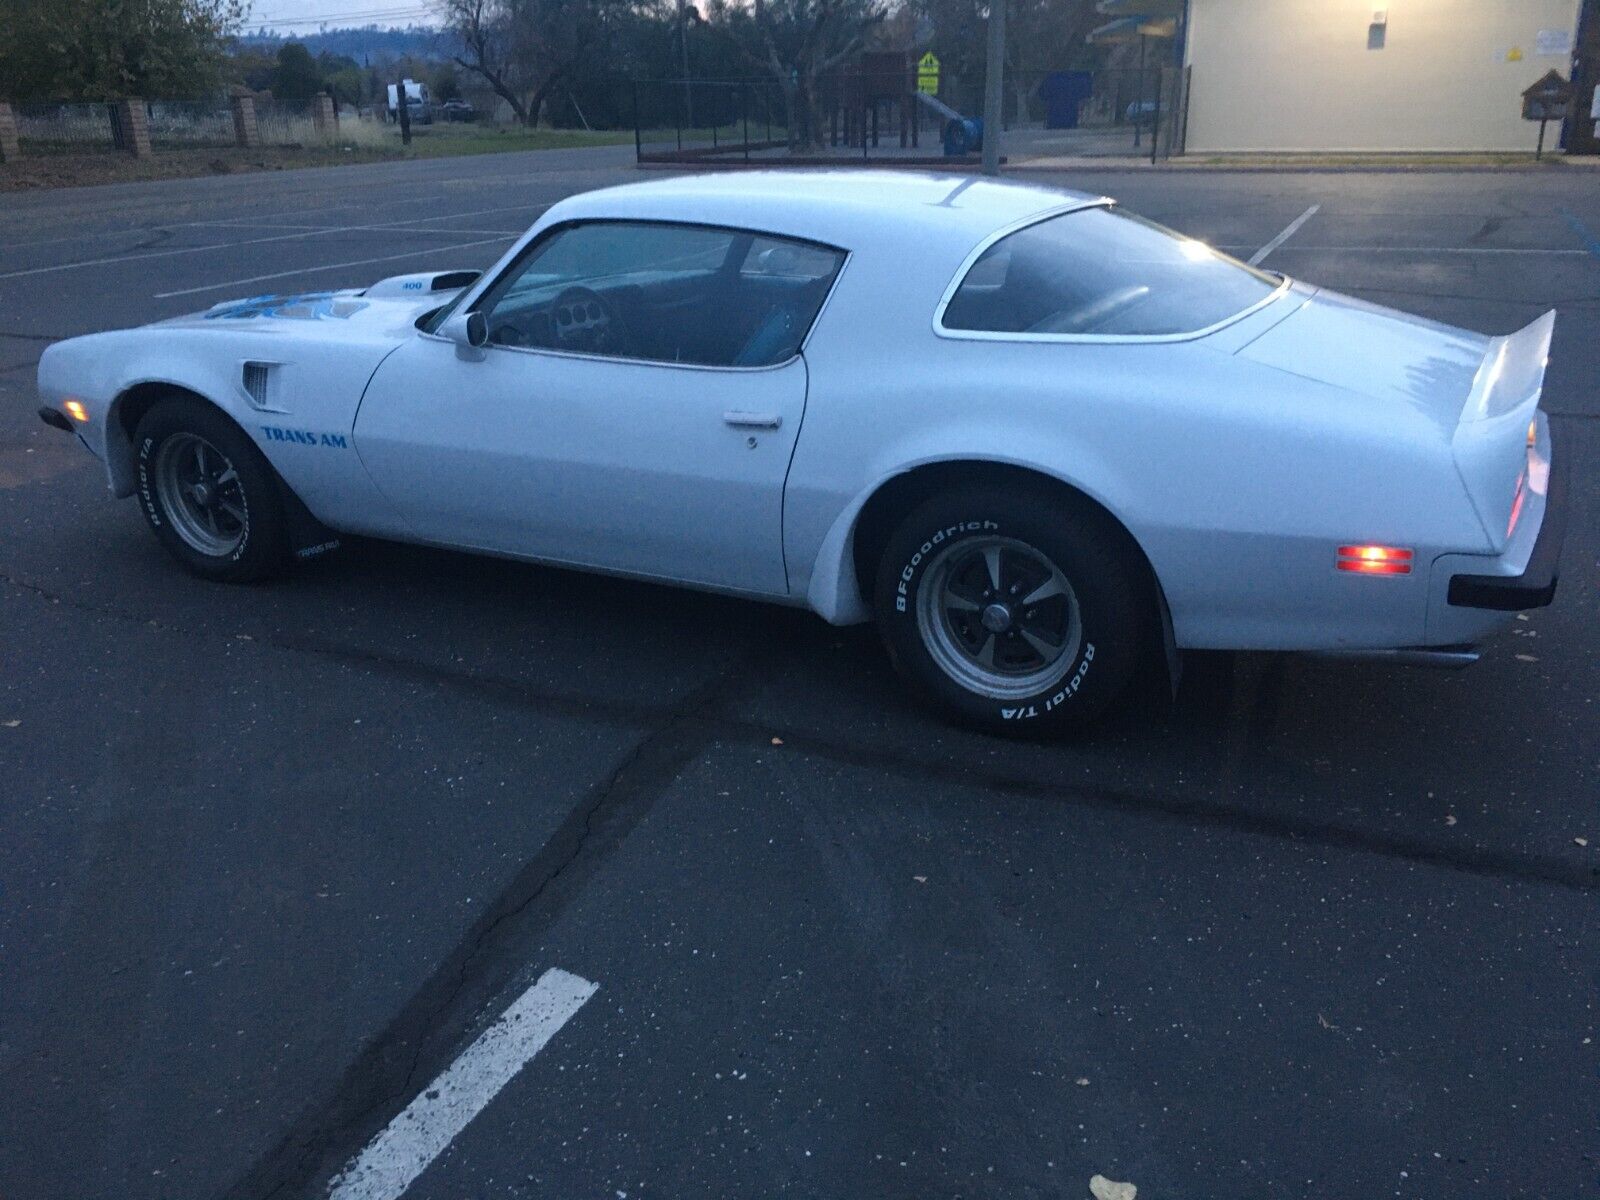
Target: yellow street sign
{"points": [[928, 74]]}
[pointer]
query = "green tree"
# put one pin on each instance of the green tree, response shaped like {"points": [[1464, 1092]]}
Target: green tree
{"points": [[297, 75], [105, 49]]}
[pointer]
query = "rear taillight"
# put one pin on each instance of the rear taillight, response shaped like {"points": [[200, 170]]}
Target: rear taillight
{"points": [[1375, 560], [1517, 498]]}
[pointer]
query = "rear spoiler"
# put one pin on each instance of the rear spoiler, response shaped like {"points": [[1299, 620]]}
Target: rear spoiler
{"points": [[1491, 442], [1512, 372]]}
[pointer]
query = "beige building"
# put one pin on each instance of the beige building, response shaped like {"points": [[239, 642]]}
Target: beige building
{"points": [[1364, 75]]}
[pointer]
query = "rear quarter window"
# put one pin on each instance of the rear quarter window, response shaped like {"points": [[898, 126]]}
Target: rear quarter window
{"points": [[1102, 272]]}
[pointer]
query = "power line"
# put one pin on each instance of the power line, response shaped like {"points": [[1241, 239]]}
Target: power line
{"points": [[377, 14]]}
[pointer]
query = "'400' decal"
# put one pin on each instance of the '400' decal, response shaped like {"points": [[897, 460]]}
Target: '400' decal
{"points": [[304, 437]]}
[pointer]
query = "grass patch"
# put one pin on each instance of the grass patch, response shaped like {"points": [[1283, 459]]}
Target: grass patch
{"points": [[435, 141]]}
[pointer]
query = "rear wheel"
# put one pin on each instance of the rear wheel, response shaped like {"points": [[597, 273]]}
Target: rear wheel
{"points": [[208, 493], [1013, 610]]}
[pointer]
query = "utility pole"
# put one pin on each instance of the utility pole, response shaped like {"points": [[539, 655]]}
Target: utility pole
{"points": [[403, 111], [994, 87], [683, 42]]}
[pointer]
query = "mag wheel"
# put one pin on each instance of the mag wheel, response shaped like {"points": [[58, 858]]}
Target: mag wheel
{"points": [[200, 494], [208, 493], [1012, 610]]}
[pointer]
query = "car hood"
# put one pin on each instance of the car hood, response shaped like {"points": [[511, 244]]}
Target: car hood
{"points": [[1377, 352], [386, 311]]}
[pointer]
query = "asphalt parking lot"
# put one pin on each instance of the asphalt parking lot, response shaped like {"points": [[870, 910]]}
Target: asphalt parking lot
{"points": [[272, 857]]}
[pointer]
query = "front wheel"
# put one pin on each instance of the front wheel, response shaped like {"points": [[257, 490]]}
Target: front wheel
{"points": [[209, 495], [1013, 610]]}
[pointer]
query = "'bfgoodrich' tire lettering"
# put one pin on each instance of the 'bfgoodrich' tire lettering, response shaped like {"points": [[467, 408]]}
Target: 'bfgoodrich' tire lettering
{"points": [[1116, 621]]}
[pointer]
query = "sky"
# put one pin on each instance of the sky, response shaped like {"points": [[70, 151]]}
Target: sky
{"points": [[307, 16]]}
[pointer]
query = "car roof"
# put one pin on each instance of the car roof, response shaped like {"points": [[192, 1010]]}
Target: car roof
{"points": [[850, 208]]}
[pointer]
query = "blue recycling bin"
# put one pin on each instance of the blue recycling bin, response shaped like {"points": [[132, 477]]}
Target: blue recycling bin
{"points": [[963, 136]]}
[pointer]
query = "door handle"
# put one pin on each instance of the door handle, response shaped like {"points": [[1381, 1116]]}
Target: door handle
{"points": [[750, 420]]}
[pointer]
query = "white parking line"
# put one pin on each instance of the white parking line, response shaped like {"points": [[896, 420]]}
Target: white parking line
{"points": [[281, 237], [393, 1160], [1302, 248], [355, 262], [340, 228], [1288, 232]]}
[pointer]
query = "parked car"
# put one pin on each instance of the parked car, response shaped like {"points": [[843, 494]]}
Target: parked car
{"points": [[1042, 442], [457, 110], [419, 104]]}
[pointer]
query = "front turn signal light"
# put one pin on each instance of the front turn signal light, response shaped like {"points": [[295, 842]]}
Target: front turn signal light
{"points": [[76, 410], [1375, 560]]}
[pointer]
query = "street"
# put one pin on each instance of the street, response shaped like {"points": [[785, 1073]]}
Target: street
{"points": [[275, 856]]}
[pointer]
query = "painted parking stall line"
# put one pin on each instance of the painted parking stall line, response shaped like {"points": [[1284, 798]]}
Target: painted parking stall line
{"points": [[1591, 241], [393, 1160], [1288, 232], [401, 226], [355, 262]]}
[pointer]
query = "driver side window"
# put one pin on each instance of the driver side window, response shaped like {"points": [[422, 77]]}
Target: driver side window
{"points": [[662, 292]]}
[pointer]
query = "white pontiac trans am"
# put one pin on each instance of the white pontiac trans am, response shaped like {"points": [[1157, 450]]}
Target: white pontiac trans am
{"points": [[1041, 441]]}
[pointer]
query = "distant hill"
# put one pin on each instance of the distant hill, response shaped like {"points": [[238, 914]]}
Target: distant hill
{"points": [[371, 41]]}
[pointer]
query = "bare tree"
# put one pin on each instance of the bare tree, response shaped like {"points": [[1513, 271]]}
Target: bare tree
{"points": [[526, 49], [798, 42]]}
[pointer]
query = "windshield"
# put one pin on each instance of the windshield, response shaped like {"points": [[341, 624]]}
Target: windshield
{"points": [[1106, 272]]}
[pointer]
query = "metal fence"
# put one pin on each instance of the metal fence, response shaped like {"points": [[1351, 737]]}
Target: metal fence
{"points": [[288, 123], [64, 128], [190, 123], [847, 117], [883, 117], [1118, 113]]}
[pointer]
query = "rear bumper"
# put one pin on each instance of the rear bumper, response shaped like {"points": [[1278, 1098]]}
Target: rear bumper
{"points": [[1535, 587]]}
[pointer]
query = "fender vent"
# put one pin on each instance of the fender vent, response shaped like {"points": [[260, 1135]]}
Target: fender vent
{"points": [[257, 379]]}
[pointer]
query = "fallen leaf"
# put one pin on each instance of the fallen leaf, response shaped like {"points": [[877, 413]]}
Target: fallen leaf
{"points": [[1450, 820], [1581, 841], [1526, 658], [1102, 1188], [777, 741]]}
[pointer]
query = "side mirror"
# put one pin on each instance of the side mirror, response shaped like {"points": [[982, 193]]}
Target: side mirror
{"points": [[469, 330]]}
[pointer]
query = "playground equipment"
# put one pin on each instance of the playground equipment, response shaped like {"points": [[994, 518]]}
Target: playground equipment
{"points": [[881, 89], [962, 135]]}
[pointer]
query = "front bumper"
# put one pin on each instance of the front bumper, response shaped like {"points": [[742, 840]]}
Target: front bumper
{"points": [[1535, 587]]}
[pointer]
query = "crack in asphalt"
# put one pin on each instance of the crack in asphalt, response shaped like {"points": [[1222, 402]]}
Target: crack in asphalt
{"points": [[1483, 861], [425, 1035], [495, 951]]}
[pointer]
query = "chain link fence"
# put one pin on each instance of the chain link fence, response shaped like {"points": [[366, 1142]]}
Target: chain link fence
{"points": [[883, 117]]}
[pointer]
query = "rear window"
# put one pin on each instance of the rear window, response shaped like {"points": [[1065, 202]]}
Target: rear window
{"points": [[1100, 271]]}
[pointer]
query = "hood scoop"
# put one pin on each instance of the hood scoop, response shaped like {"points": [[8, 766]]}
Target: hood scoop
{"points": [[401, 287]]}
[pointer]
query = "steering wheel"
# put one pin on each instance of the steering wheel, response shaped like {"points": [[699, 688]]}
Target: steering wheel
{"points": [[584, 320], [1078, 320]]}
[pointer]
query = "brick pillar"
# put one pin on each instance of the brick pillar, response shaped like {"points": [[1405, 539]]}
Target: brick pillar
{"points": [[135, 125], [245, 130], [324, 116], [10, 151]]}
